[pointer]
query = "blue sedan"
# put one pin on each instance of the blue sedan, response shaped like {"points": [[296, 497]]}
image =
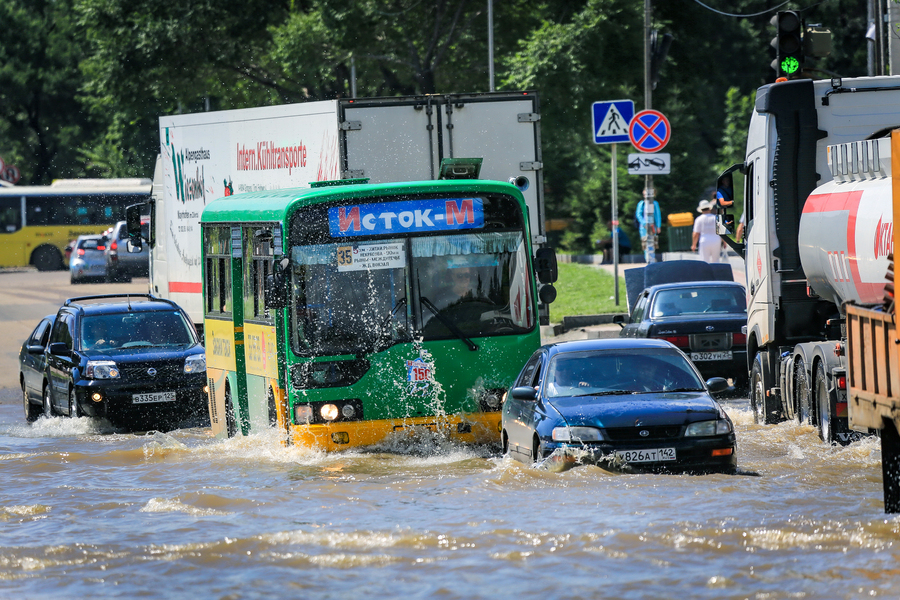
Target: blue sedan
{"points": [[629, 405]]}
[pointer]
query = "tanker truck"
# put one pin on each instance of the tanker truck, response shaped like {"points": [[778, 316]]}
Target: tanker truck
{"points": [[816, 184]]}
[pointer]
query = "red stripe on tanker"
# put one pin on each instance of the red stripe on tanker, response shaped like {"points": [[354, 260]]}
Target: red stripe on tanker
{"points": [[845, 236]]}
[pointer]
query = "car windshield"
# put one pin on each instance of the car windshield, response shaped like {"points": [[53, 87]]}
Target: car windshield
{"points": [[699, 300], [135, 330], [621, 371]]}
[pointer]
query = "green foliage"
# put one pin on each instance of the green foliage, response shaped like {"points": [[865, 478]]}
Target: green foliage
{"points": [[586, 290]]}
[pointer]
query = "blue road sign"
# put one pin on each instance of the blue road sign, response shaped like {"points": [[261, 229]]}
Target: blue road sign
{"points": [[611, 121]]}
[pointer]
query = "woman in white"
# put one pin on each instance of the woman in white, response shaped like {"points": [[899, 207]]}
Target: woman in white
{"points": [[705, 236]]}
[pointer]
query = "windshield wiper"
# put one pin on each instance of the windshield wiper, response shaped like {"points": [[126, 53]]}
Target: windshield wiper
{"points": [[448, 324], [606, 393]]}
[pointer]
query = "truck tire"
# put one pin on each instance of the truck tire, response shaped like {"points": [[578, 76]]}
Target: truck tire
{"points": [[801, 400], [824, 407], [47, 258], [766, 410], [890, 467]]}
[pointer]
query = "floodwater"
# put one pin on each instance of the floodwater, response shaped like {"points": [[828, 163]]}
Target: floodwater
{"points": [[89, 513]]}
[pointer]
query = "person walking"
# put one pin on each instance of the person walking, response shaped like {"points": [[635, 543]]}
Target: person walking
{"points": [[706, 240], [648, 226]]}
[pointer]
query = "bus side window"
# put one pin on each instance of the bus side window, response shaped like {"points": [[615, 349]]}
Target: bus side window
{"points": [[10, 215]]}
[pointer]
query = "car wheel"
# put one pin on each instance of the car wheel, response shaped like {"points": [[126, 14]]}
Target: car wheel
{"points": [[230, 421], [824, 412], [32, 411], [74, 408], [48, 403], [765, 409], [537, 450], [504, 443]]}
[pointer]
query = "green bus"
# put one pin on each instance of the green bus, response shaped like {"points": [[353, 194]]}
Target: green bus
{"points": [[349, 312]]}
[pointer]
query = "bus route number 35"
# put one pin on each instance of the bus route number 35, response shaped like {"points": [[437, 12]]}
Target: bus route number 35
{"points": [[345, 256]]}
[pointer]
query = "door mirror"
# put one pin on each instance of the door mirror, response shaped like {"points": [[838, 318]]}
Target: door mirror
{"points": [[524, 393], [134, 246], [59, 349], [717, 385], [545, 265], [620, 320]]}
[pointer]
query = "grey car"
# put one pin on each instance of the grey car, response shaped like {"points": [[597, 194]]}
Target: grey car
{"points": [[88, 260], [122, 265]]}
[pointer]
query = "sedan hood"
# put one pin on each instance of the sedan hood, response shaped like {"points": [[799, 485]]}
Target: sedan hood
{"points": [[624, 410]]}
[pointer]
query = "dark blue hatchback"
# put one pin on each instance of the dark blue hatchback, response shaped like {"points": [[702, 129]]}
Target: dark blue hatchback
{"points": [[135, 360], [629, 405]]}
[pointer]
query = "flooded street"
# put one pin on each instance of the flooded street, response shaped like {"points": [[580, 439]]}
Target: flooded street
{"points": [[89, 513]]}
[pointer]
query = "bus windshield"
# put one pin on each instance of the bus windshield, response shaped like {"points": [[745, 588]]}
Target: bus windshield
{"points": [[352, 297]]}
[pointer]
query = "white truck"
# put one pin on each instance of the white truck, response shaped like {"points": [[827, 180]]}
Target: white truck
{"points": [[817, 185], [208, 155]]}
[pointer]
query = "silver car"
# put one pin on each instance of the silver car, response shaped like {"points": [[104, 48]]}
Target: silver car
{"points": [[88, 261]]}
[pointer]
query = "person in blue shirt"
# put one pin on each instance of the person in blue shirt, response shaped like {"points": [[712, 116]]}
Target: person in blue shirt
{"points": [[649, 230], [606, 246]]}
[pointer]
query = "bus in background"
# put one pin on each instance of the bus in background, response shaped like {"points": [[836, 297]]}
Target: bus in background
{"points": [[36, 222], [387, 307]]}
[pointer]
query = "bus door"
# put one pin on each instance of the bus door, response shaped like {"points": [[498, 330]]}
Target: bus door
{"points": [[12, 244]]}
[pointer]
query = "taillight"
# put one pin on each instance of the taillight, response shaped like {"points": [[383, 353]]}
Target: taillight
{"points": [[738, 338], [682, 341], [101, 248], [114, 246], [81, 252]]}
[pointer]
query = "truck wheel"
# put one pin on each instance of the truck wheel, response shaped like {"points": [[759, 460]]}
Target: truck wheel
{"points": [[47, 258], [890, 467], [824, 408], [802, 404], [766, 410]]}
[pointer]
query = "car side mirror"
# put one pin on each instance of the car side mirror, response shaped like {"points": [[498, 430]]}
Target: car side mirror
{"points": [[717, 385], [619, 320], [524, 393], [545, 265], [34, 349], [59, 349]]}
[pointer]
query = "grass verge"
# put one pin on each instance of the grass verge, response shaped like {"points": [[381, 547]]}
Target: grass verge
{"points": [[586, 290]]}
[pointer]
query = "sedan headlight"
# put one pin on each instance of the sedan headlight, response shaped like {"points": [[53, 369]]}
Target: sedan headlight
{"points": [[195, 363], [707, 428], [577, 434], [101, 369]]}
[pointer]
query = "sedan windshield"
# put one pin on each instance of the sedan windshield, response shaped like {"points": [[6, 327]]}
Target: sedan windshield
{"points": [[610, 372], [135, 330], [699, 300]]}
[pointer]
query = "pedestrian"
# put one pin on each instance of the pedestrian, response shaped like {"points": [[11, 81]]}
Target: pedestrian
{"points": [[649, 227], [706, 240], [606, 246]]}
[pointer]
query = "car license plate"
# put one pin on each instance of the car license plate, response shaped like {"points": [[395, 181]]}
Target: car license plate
{"points": [[723, 355], [642, 456], [153, 397]]}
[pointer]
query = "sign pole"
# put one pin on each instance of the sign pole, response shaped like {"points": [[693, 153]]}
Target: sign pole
{"points": [[615, 221]]}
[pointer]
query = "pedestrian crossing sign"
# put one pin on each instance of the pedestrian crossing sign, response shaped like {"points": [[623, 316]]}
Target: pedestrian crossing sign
{"points": [[611, 120]]}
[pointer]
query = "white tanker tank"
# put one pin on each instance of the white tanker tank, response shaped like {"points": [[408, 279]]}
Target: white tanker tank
{"points": [[846, 229]]}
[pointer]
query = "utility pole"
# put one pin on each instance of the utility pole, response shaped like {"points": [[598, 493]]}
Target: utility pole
{"points": [[649, 196]]}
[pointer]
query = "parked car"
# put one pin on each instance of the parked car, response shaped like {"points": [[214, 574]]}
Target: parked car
{"points": [[135, 360], [705, 319], [121, 264], [88, 260], [33, 368], [632, 405]]}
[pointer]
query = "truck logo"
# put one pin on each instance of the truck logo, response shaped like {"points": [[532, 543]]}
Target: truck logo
{"points": [[884, 238], [408, 216]]}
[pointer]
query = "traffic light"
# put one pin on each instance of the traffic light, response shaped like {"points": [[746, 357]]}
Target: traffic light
{"points": [[788, 44]]}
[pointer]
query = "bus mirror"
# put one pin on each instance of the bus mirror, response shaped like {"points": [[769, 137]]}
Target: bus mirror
{"points": [[547, 294], [545, 265], [135, 245], [725, 224], [275, 291]]}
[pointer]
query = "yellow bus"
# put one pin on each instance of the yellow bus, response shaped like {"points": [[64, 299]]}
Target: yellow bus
{"points": [[36, 222]]}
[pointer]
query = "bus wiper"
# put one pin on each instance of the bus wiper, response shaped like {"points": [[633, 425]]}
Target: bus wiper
{"points": [[447, 323]]}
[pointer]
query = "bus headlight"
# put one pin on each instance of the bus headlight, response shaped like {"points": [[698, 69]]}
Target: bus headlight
{"points": [[101, 369], [329, 412], [303, 413]]}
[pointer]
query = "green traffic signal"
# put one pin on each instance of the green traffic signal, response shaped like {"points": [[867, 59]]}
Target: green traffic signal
{"points": [[790, 65]]}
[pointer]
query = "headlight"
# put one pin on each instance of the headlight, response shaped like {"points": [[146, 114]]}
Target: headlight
{"points": [[101, 369], [577, 434], [329, 412], [195, 363], [303, 413], [707, 428]]}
